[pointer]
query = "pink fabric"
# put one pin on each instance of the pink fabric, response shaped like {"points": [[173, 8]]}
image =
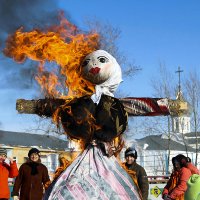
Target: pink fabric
{"points": [[93, 175]]}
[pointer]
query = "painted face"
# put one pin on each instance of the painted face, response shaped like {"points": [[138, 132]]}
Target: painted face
{"points": [[97, 67], [130, 160], [2, 157], [34, 157]]}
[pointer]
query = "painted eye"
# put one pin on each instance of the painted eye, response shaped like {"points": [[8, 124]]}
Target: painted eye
{"points": [[103, 59], [85, 62]]}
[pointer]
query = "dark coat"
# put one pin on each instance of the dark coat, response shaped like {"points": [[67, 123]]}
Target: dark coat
{"points": [[142, 179], [31, 186]]}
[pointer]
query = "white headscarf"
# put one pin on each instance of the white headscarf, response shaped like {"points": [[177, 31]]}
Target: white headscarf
{"points": [[109, 86]]}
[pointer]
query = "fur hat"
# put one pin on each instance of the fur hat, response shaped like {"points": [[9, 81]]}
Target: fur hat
{"points": [[33, 150], [131, 152], [3, 151]]}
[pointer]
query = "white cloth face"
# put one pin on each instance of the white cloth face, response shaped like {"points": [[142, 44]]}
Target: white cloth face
{"points": [[102, 69]]}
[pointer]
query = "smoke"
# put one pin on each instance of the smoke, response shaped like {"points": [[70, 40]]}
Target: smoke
{"points": [[28, 14]]}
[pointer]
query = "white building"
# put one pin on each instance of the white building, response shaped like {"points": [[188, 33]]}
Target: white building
{"points": [[153, 152]]}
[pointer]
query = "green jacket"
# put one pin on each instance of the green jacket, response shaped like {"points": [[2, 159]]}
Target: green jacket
{"points": [[141, 179], [193, 189]]}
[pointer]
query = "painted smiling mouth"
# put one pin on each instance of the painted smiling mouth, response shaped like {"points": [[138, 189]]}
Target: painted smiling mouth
{"points": [[95, 70]]}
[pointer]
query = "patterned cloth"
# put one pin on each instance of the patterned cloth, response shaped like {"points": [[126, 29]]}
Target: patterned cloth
{"points": [[146, 106], [93, 175]]}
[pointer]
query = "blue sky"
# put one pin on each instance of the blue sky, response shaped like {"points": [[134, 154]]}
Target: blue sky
{"points": [[152, 32]]}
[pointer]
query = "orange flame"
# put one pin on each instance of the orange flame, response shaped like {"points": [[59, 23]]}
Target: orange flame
{"points": [[62, 44], [48, 82], [66, 46]]}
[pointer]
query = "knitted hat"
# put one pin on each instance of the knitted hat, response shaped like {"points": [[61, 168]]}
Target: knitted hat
{"points": [[3, 152], [131, 152], [33, 150]]}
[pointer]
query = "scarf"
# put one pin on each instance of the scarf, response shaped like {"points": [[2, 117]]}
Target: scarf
{"points": [[33, 166]]}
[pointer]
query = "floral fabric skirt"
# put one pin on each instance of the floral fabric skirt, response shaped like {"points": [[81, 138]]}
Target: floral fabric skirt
{"points": [[93, 176]]}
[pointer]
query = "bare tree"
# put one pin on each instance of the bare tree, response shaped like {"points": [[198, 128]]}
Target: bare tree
{"points": [[163, 86], [192, 85]]}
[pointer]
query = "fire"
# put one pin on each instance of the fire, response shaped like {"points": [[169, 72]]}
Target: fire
{"points": [[48, 82], [65, 45], [77, 119]]}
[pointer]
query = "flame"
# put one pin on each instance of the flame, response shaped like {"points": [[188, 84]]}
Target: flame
{"points": [[63, 44], [87, 119], [48, 82], [66, 46]]}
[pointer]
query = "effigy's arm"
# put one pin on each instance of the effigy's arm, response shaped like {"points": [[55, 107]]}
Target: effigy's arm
{"points": [[155, 106], [43, 107], [134, 106], [146, 106]]}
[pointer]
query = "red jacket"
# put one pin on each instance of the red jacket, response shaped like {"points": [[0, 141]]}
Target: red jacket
{"points": [[177, 184], [5, 173], [193, 168]]}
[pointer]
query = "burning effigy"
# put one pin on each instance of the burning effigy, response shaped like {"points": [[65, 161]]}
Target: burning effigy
{"points": [[88, 113]]}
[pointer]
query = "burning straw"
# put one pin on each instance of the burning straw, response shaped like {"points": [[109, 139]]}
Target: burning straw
{"points": [[63, 44]]}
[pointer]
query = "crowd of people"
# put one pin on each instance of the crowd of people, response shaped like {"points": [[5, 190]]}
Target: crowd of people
{"points": [[32, 179]]}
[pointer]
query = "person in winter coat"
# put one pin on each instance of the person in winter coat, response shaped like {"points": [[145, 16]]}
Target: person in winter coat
{"points": [[32, 179], [177, 184], [8, 169], [137, 172]]}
